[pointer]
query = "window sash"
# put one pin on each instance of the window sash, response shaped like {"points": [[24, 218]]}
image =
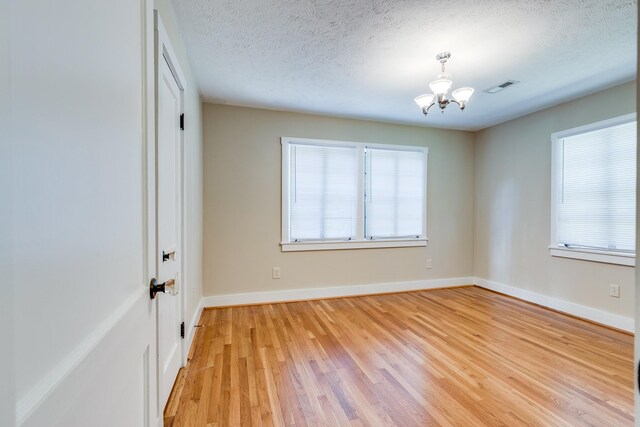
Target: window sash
{"points": [[323, 192], [394, 193]]}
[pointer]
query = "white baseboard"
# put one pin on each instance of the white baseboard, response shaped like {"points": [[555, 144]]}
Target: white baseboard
{"points": [[331, 292], [589, 313], [585, 312]]}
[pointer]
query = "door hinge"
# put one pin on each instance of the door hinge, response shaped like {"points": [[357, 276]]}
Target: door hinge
{"points": [[182, 330], [182, 121]]}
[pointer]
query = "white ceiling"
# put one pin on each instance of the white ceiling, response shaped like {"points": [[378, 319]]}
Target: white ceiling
{"points": [[369, 59]]}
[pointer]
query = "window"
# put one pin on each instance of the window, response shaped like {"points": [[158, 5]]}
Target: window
{"points": [[347, 195], [394, 193], [594, 192], [323, 192]]}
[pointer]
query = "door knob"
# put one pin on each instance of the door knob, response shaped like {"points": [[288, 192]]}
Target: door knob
{"points": [[167, 287]]}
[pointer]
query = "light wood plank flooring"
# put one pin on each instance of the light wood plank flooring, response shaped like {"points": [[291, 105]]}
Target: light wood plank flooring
{"points": [[462, 357]]}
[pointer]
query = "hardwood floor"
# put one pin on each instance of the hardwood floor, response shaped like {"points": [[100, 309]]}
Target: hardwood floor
{"points": [[450, 357]]}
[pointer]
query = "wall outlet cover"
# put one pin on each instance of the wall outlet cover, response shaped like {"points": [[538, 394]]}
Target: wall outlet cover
{"points": [[614, 291]]}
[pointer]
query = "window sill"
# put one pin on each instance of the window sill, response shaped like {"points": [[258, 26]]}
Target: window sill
{"points": [[595, 256], [351, 244]]}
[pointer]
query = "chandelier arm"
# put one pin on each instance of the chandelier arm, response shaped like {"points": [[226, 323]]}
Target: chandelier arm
{"points": [[456, 102], [428, 108]]}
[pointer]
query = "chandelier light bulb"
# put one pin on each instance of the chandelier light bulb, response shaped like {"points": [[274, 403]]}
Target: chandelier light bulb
{"points": [[463, 94], [440, 86], [425, 100]]}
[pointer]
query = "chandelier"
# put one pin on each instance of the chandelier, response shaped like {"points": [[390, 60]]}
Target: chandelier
{"points": [[440, 87]]}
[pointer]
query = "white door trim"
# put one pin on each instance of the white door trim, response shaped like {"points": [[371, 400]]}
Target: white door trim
{"points": [[149, 106], [164, 48]]}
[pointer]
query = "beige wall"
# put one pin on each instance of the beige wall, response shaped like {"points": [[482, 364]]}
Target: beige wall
{"points": [[512, 206], [488, 205], [242, 159]]}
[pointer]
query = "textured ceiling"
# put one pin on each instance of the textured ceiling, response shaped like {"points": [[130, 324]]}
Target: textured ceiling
{"points": [[369, 59]]}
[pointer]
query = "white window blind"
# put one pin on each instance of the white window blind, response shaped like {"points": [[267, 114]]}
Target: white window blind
{"points": [[394, 193], [322, 192], [597, 194]]}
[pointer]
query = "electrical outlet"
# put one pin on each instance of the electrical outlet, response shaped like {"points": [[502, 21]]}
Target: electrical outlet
{"points": [[275, 273], [614, 291], [429, 263]]}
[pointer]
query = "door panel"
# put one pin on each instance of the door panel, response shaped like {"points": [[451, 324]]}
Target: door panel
{"points": [[169, 141], [85, 329]]}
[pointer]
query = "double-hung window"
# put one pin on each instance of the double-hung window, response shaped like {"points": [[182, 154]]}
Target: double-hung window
{"points": [[347, 195], [594, 192]]}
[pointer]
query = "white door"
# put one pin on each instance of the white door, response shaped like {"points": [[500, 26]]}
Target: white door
{"points": [[168, 214]]}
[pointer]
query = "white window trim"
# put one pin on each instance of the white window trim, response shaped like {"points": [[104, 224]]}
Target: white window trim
{"points": [[556, 250], [359, 242], [351, 244], [619, 258]]}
